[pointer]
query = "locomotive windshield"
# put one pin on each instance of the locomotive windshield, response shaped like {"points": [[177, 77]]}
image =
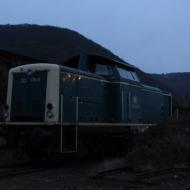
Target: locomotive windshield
{"points": [[102, 69], [127, 74], [99, 66], [28, 96]]}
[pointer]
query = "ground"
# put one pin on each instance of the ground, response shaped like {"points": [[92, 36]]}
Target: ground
{"points": [[161, 148], [77, 174]]}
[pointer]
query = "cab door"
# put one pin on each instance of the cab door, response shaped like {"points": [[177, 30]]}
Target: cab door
{"points": [[68, 112], [68, 97]]}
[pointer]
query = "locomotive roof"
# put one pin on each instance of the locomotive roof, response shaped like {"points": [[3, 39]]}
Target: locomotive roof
{"points": [[103, 58], [113, 60], [42, 66], [38, 66]]}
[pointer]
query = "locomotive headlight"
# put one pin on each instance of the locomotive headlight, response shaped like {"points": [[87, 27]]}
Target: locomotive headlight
{"points": [[6, 114], [6, 111], [49, 114]]}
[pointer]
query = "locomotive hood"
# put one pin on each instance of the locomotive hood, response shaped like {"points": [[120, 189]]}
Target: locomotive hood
{"points": [[31, 88]]}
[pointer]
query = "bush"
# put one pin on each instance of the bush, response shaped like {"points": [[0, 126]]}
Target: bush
{"points": [[163, 146]]}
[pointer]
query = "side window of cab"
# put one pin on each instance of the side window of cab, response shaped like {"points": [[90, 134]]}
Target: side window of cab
{"points": [[101, 69], [127, 74]]}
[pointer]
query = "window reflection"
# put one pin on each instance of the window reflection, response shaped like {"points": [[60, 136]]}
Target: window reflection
{"points": [[127, 74], [102, 69]]}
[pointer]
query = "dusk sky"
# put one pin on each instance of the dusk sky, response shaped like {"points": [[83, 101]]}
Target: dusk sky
{"points": [[152, 35]]}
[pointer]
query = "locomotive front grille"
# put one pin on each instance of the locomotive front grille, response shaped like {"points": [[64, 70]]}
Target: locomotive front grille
{"points": [[28, 96]]}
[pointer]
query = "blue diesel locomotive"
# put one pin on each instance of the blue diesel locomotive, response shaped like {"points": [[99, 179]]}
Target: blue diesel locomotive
{"points": [[88, 99]]}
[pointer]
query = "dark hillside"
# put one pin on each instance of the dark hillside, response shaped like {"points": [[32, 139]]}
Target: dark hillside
{"points": [[178, 84], [53, 44], [47, 43], [152, 81]]}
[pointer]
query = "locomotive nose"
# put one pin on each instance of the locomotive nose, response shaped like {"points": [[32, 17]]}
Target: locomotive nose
{"points": [[33, 93]]}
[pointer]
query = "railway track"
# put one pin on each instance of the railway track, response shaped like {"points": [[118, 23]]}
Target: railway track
{"points": [[13, 170], [27, 167], [151, 178]]}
